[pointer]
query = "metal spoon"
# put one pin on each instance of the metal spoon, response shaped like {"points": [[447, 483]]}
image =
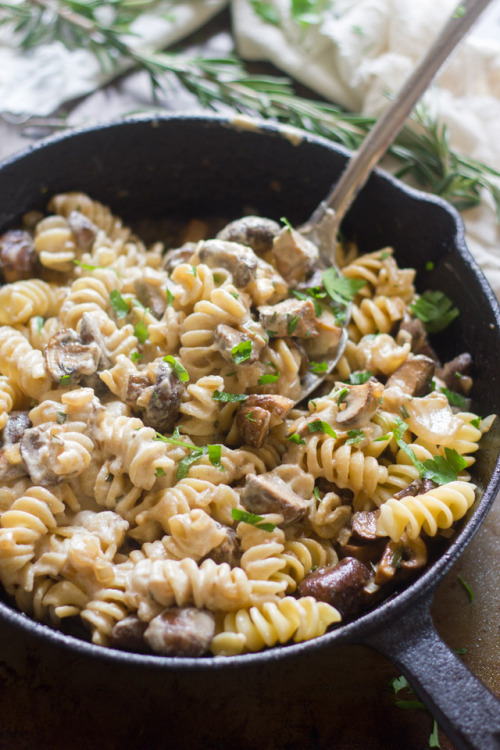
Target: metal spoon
{"points": [[323, 225]]}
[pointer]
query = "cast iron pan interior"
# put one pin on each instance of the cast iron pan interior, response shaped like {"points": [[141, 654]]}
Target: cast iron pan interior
{"points": [[190, 166]]}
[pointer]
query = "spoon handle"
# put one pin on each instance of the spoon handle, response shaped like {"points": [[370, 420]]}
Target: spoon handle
{"points": [[390, 123]]}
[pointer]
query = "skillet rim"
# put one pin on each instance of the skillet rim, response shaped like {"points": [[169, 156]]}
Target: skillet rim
{"points": [[419, 589]]}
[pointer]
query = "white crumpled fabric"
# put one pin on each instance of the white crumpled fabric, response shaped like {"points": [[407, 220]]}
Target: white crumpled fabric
{"points": [[361, 52]]}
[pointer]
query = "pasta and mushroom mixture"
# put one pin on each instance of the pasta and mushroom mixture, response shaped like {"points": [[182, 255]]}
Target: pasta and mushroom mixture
{"points": [[160, 488]]}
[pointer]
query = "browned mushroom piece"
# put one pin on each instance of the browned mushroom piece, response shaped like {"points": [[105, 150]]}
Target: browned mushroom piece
{"points": [[228, 551], [341, 585], [84, 230], [17, 423], [267, 493], [181, 632], [292, 317], [361, 403], [178, 255], [162, 409], [414, 376], [255, 231], [419, 341], [35, 447], [456, 373], [345, 494], [417, 487], [226, 338], [364, 525], [150, 296], [293, 254], [407, 555], [258, 413], [238, 259], [128, 635], [67, 357], [12, 466], [18, 259]]}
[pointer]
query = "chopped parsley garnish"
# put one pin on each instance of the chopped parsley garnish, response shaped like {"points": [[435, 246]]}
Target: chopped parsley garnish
{"points": [[439, 469], [218, 279], [283, 219], [61, 417], [119, 304], [400, 683], [159, 472], [397, 556], [355, 437], [386, 254], [318, 368], [404, 412], [467, 588], [194, 271], [269, 378], [141, 331], [429, 266], [170, 297], [39, 323], [382, 438], [250, 417], [460, 12], [460, 651], [292, 325], [358, 378], [339, 288], [455, 399], [214, 452], [135, 356], [228, 397], [476, 422], [215, 455], [86, 266], [234, 294], [435, 310], [313, 297], [252, 518], [340, 395], [180, 370], [434, 738], [295, 438], [65, 379], [242, 351], [319, 426]]}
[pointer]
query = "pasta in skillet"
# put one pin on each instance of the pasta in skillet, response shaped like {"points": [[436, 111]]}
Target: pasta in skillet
{"points": [[158, 483]]}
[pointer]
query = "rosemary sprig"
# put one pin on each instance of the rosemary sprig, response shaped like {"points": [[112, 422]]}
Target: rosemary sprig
{"points": [[422, 148]]}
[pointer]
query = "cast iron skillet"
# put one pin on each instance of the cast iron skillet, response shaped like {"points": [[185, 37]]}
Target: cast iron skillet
{"points": [[184, 166]]}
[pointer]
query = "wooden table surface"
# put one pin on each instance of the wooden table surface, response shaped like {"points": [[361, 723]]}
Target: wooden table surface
{"points": [[56, 700]]}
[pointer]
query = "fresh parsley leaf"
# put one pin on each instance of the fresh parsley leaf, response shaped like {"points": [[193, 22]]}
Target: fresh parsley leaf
{"points": [[61, 417], [295, 438], [355, 437], [316, 493], [283, 219], [358, 378], [180, 370], [435, 310], [65, 379], [312, 296], [269, 378], [135, 356], [434, 738], [429, 266], [119, 304], [242, 351], [386, 254], [340, 395], [39, 323], [194, 271], [226, 398], [319, 426], [400, 683], [443, 470], [404, 412], [185, 463], [476, 422], [141, 331], [251, 518], [292, 325], [467, 588], [397, 556], [159, 472], [215, 455], [318, 368], [234, 294], [250, 417], [459, 12], [170, 297], [455, 399], [175, 440], [460, 651], [86, 266], [410, 705], [382, 438], [339, 288], [266, 12]]}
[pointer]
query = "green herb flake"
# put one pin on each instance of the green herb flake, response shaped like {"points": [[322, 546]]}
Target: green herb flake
{"points": [[170, 297], [454, 399], [65, 379], [339, 288], [242, 351], [358, 378], [318, 310], [467, 588], [86, 266], [159, 472], [434, 738], [382, 438], [340, 395], [109, 478], [404, 412], [243, 515], [119, 304], [324, 427], [355, 437], [234, 294], [285, 221], [429, 266], [410, 705], [194, 271], [386, 254], [39, 323], [459, 12], [250, 417], [61, 417], [356, 29], [215, 455], [444, 469], [292, 325], [179, 369], [318, 368], [136, 356], [397, 556], [269, 378], [460, 651], [185, 463], [400, 683], [141, 332], [316, 493], [476, 422], [295, 438], [435, 310], [226, 398]]}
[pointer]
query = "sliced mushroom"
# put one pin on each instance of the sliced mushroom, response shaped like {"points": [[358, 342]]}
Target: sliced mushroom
{"points": [[365, 552], [229, 551], [293, 255], [292, 317], [18, 259], [178, 255], [66, 355], [267, 493], [341, 585], [361, 403], [238, 259], [258, 414], [226, 338], [35, 447], [128, 635], [91, 333], [12, 465], [84, 230], [364, 525], [414, 376], [254, 231], [417, 487], [17, 423], [150, 295], [406, 555], [181, 632], [162, 400], [456, 373], [324, 485]]}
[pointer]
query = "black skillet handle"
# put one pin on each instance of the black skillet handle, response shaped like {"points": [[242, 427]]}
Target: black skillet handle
{"points": [[464, 708]]}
